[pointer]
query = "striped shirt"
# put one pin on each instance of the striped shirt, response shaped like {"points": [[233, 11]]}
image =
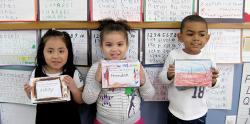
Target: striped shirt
{"points": [[113, 105]]}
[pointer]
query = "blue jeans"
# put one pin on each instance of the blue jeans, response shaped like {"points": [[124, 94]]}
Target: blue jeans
{"points": [[174, 120]]}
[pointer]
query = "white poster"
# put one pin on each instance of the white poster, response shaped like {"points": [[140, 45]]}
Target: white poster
{"points": [[243, 116]]}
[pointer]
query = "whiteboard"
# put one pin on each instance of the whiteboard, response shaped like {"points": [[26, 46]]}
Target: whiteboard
{"points": [[221, 10], [63, 10], [18, 10], [167, 10], [225, 45], [158, 44], [79, 40], [129, 10], [133, 50], [12, 86], [18, 47]]}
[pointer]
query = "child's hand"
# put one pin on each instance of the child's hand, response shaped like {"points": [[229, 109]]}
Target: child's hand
{"points": [[142, 76], [27, 89], [70, 83], [214, 76], [170, 72], [98, 75]]}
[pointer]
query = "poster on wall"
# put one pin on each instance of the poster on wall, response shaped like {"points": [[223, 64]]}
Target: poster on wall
{"points": [[161, 91], [130, 10], [63, 10], [11, 85], [167, 10], [157, 45], [246, 45], [243, 116], [18, 10], [17, 114], [221, 10], [221, 97], [247, 11], [224, 45], [18, 47]]}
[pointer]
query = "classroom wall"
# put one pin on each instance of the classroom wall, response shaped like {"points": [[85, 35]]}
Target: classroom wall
{"points": [[154, 112]]}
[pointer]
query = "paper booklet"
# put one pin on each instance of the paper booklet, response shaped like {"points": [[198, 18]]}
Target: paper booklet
{"points": [[120, 73], [49, 89]]}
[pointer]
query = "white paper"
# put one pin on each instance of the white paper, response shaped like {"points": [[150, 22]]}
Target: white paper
{"points": [[18, 10], [46, 89], [63, 10], [18, 47], [230, 119], [17, 114], [221, 96], [225, 45], [160, 88], [11, 85], [243, 116], [221, 8], [158, 44], [246, 45], [167, 10], [133, 50], [116, 73], [129, 10], [79, 40]]}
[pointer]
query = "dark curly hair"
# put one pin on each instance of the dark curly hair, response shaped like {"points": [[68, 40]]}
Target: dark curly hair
{"points": [[110, 25]]}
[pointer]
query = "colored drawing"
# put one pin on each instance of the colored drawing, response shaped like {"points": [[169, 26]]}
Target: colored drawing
{"points": [[120, 74], [193, 73]]}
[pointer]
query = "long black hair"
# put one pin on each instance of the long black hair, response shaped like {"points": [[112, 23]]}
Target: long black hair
{"points": [[69, 67]]}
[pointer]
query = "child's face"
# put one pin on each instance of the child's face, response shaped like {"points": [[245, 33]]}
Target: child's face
{"points": [[55, 54], [194, 36], [114, 45]]}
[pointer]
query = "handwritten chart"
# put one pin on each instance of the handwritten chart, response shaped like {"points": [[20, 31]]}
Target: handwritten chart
{"points": [[18, 10], [158, 44], [160, 89], [129, 10], [17, 113], [221, 96], [247, 11], [11, 85], [63, 10], [18, 47], [133, 50], [243, 116], [246, 45], [222, 10], [167, 10], [225, 45]]}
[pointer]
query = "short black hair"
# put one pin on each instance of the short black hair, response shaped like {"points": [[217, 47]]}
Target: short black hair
{"points": [[192, 18]]}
